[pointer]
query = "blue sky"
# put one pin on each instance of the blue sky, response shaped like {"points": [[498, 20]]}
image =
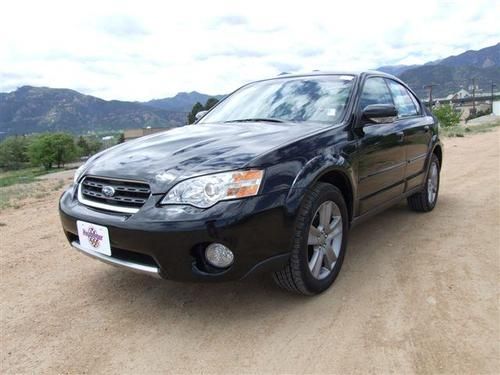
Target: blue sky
{"points": [[139, 50]]}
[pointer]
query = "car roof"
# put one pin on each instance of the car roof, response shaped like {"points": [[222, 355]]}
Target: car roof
{"points": [[315, 73], [332, 72]]}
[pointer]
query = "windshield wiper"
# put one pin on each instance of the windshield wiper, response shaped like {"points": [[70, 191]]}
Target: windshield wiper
{"points": [[255, 120]]}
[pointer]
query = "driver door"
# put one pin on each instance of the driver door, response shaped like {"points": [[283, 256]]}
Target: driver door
{"points": [[381, 152]]}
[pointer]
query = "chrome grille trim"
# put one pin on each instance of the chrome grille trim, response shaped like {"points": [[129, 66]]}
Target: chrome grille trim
{"points": [[130, 195], [118, 188]]}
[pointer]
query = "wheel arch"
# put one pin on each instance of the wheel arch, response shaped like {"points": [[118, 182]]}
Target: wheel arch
{"points": [[331, 168], [340, 180], [438, 151]]}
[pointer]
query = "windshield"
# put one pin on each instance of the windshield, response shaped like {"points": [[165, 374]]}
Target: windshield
{"points": [[300, 99]]}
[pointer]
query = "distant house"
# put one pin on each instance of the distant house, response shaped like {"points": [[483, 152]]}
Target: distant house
{"points": [[461, 94], [108, 141], [137, 133]]}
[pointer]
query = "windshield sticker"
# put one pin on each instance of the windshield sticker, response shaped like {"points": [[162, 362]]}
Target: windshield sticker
{"points": [[346, 78], [331, 112]]}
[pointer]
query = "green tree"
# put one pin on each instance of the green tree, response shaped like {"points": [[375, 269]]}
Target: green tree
{"points": [[95, 145], [192, 115], [446, 115], [88, 146], [14, 152], [121, 138], [210, 103], [52, 148], [199, 107], [83, 146]]}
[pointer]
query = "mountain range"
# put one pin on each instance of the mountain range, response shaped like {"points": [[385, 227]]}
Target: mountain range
{"points": [[38, 109], [452, 73], [182, 102]]}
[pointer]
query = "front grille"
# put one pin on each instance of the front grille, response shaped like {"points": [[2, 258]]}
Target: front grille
{"points": [[127, 196]]}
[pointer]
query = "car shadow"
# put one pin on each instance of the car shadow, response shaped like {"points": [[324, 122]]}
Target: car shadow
{"points": [[370, 245]]}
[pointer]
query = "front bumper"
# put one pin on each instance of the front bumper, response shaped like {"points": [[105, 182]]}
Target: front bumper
{"points": [[134, 266], [169, 241]]}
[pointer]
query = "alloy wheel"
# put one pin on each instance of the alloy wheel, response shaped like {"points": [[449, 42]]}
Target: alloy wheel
{"points": [[325, 239], [432, 183]]}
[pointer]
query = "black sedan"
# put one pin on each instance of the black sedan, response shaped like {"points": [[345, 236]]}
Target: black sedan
{"points": [[271, 179]]}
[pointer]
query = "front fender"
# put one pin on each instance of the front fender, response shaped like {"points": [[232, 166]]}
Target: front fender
{"points": [[312, 171]]}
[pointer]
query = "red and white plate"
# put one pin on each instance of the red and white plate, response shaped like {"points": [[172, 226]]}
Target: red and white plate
{"points": [[93, 237]]}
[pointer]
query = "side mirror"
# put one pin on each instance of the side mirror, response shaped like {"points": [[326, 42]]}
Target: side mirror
{"points": [[380, 113], [200, 114]]}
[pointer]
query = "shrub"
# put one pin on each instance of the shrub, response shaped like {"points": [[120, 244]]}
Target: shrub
{"points": [[473, 115], [447, 116]]}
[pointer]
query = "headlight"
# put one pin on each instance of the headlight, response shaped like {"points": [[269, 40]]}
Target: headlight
{"points": [[205, 191], [78, 173]]}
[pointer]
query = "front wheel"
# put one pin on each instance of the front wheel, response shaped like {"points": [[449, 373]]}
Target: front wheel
{"points": [[426, 200], [319, 243]]}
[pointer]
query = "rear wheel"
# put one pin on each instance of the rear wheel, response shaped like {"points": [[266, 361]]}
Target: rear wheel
{"points": [[319, 243], [426, 200]]}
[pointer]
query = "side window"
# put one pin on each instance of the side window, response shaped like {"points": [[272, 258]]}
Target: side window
{"points": [[402, 100], [415, 102], [375, 91]]}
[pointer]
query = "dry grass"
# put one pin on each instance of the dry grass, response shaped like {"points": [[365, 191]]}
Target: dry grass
{"points": [[18, 195], [463, 130]]}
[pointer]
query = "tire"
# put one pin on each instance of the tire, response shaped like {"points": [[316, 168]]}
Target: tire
{"points": [[425, 201], [308, 272]]}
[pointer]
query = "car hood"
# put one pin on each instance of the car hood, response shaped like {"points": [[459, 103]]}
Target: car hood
{"points": [[164, 158]]}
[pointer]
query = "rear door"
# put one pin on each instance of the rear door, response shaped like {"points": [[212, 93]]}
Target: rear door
{"points": [[381, 153], [417, 133]]}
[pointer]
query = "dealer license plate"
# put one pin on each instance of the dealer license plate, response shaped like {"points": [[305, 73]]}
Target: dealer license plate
{"points": [[93, 237]]}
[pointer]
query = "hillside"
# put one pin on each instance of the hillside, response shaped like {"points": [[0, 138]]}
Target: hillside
{"points": [[452, 73], [182, 102], [395, 69], [39, 109], [484, 58], [449, 79]]}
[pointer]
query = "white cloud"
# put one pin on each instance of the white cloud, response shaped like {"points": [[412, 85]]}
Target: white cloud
{"points": [[138, 50]]}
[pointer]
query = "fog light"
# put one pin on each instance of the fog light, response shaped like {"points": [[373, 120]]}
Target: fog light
{"points": [[219, 255]]}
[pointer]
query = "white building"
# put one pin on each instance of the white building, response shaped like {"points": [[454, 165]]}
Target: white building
{"points": [[496, 107], [461, 94]]}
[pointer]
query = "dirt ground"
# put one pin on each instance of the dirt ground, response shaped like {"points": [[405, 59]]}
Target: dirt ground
{"points": [[418, 293]]}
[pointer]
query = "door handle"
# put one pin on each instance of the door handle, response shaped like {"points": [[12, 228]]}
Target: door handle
{"points": [[401, 136], [426, 128]]}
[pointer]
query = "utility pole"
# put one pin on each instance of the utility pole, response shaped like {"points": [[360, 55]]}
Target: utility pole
{"points": [[429, 87], [492, 87]]}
